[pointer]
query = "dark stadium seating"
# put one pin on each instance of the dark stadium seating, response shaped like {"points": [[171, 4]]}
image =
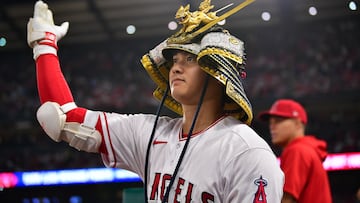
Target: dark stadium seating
{"points": [[319, 66]]}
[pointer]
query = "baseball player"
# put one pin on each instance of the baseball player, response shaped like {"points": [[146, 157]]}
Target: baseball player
{"points": [[209, 154], [306, 179]]}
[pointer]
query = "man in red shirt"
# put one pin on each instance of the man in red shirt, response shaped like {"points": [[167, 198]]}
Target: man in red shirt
{"points": [[301, 160]]}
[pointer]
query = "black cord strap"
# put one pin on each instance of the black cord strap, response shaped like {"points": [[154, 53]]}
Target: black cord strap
{"points": [[172, 180], [150, 141]]}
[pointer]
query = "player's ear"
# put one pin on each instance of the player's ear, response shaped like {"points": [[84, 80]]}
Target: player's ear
{"points": [[299, 123]]}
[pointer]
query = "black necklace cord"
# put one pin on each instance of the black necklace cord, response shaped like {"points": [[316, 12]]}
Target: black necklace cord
{"points": [[172, 180], [151, 139]]}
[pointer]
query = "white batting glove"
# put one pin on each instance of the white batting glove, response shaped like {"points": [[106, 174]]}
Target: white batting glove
{"points": [[42, 33]]}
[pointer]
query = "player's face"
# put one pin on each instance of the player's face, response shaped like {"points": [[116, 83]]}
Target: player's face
{"points": [[186, 78], [282, 130]]}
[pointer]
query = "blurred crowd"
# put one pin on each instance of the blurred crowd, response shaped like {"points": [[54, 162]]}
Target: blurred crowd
{"points": [[317, 64]]}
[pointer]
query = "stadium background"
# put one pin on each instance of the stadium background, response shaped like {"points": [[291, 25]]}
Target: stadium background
{"points": [[313, 59]]}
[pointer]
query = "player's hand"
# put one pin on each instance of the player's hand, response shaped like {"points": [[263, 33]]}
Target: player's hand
{"points": [[41, 30], [156, 53]]}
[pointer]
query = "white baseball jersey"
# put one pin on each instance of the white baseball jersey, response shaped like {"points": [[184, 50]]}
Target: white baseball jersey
{"points": [[227, 162]]}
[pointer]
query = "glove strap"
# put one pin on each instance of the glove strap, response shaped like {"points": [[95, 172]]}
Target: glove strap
{"points": [[41, 49], [47, 45], [50, 40]]}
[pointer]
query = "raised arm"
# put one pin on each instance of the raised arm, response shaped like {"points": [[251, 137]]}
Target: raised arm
{"points": [[42, 37], [58, 115]]}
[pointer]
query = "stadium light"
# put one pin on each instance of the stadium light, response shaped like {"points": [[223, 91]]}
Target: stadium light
{"points": [[130, 29], [2, 41], [266, 16], [172, 25], [312, 11], [352, 5]]}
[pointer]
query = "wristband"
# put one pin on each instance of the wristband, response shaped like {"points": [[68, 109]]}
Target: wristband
{"points": [[50, 39]]}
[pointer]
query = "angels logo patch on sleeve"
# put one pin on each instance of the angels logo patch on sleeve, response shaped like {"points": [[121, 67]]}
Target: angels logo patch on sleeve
{"points": [[260, 195]]}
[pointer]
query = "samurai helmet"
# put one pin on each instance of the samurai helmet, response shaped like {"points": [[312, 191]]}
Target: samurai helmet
{"points": [[219, 53]]}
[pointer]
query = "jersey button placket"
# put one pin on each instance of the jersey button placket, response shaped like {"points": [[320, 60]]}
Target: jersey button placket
{"points": [[176, 152]]}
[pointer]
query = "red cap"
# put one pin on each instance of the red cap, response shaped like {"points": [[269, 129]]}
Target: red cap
{"points": [[285, 108]]}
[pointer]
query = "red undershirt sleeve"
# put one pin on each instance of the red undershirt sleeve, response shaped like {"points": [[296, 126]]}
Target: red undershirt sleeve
{"points": [[51, 83], [53, 87]]}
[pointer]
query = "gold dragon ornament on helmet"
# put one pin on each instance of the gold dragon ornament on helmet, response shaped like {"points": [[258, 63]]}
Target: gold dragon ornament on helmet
{"points": [[192, 20], [219, 54]]}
